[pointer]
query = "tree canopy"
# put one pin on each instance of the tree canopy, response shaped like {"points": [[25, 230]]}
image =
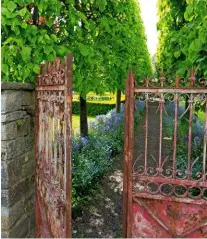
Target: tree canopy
{"points": [[105, 37], [183, 36]]}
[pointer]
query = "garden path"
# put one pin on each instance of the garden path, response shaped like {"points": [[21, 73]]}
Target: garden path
{"points": [[103, 216]]}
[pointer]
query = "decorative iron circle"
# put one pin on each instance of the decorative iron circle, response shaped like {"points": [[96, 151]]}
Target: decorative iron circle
{"points": [[180, 191], [166, 189], [195, 192]]}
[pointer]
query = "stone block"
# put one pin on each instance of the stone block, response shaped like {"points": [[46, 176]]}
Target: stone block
{"points": [[11, 100], [17, 169], [16, 115], [13, 148], [15, 193], [15, 129], [17, 86]]}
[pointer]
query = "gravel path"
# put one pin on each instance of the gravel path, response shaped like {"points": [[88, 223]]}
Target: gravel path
{"points": [[103, 217]]}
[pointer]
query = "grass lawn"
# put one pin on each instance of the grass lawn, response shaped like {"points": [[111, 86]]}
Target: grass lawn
{"points": [[76, 121]]}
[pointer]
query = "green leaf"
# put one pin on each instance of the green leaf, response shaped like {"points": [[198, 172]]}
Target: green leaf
{"points": [[102, 4], [36, 69], [5, 69], [24, 25], [83, 49], [22, 12], [25, 53], [177, 54], [48, 50], [11, 6]]}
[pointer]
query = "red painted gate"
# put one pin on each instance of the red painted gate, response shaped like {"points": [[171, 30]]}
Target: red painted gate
{"points": [[165, 190], [53, 113]]}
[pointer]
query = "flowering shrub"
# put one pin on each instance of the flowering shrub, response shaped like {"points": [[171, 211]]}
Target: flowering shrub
{"points": [[91, 156]]}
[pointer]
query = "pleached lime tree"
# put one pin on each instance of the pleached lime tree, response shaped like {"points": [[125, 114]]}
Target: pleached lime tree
{"points": [[183, 36], [106, 38]]}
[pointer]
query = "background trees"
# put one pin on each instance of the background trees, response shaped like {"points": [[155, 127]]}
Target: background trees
{"points": [[183, 36], [105, 37]]}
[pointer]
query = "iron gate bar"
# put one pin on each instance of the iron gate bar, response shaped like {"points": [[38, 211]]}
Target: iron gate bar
{"points": [[168, 198], [169, 180], [171, 90], [128, 156], [171, 198]]}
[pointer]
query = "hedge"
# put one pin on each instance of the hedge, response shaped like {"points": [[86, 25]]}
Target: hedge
{"points": [[94, 108]]}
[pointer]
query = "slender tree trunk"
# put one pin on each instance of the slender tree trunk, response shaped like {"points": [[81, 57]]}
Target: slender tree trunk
{"points": [[118, 101], [83, 116], [186, 106]]}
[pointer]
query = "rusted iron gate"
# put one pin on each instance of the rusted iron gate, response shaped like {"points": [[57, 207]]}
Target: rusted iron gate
{"points": [[161, 200], [53, 112]]}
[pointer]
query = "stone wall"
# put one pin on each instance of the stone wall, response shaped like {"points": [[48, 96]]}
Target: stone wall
{"points": [[17, 160]]}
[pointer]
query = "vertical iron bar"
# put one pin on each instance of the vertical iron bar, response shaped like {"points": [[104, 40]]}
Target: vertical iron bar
{"points": [[190, 101], [146, 128], [130, 153], [68, 147], [205, 143], [175, 135], [175, 128], [162, 78], [125, 168], [190, 135]]}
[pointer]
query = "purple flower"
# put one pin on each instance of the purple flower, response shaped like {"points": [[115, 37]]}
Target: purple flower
{"points": [[84, 140], [196, 140]]}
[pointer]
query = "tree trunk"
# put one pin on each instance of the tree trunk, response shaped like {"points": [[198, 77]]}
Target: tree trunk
{"points": [[186, 106], [118, 101], [83, 117]]}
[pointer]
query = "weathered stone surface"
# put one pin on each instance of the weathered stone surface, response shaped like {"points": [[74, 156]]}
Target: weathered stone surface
{"points": [[17, 165], [16, 192], [10, 215], [29, 168], [29, 201], [17, 169], [16, 86], [28, 99], [32, 224], [21, 228], [4, 234], [13, 148], [11, 100], [16, 115], [16, 129]]}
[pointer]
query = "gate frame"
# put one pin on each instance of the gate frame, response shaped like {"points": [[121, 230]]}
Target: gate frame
{"points": [[129, 135], [67, 88]]}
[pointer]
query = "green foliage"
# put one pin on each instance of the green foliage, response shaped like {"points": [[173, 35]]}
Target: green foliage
{"points": [[24, 44], [92, 154], [105, 37], [93, 108], [183, 36]]}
